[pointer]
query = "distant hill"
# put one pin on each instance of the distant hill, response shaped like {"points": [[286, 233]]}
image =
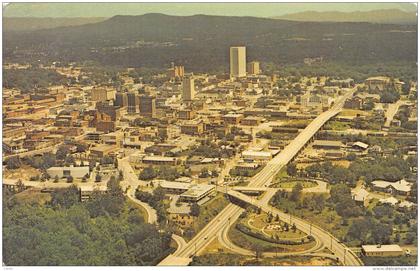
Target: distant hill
{"points": [[202, 42], [386, 16], [29, 24]]}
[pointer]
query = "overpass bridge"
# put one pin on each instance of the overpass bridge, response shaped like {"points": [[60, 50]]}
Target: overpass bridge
{"points": [[264, 177]]}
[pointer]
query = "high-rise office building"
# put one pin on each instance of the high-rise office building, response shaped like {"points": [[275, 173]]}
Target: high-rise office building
{"points": [[132, 102], [175, 71], [101, 94], [188, 88], [147, 106], [253, 67], [121, 99], [237, 61]]}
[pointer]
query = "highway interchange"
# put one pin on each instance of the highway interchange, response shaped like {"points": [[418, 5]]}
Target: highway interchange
{"points": [[231, 213]]}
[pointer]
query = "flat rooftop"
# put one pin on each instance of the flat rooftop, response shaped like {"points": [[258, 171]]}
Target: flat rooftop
{"points": [[159, 158], [382, 248], [197, 190], [328, 143]]}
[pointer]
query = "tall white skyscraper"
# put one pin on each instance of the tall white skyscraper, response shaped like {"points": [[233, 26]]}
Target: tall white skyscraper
{"points": [[188, 88], [238, 61]]}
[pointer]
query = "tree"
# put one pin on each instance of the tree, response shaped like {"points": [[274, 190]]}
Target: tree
{"points": [[195, 209], [291, 169], [147, 173], [69, 160], [410, 238], [293, 227], [338, 191], [319, 202], [296, 192], [62, 152], [360, 229], [69, 179], [98, 178], [20, 186], [13, 162], [381, 233], [65, 197]]}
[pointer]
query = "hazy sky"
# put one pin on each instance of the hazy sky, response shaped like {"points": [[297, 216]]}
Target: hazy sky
{"points": [[232, 9]]}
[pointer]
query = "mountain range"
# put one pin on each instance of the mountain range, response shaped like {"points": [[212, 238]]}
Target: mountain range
{"points": [[201, 42], [385, 16], [29, 24]]}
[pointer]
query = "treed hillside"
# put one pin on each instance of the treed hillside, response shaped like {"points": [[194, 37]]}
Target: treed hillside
{"points": [[201, 42], [106, 230], [28, 24], [387, 16]]}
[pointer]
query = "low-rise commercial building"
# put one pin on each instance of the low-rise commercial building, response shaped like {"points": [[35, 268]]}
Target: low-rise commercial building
{"points": [[257, 155], [64, 172], [192, 128], [327, 144], [102, 150], [197, 192], [233, 119], [401, 187], [159, 160], [382, 250]]}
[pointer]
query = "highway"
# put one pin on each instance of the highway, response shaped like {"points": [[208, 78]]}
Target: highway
{"points": [[132, 181], [345, 255], [228, 215]]}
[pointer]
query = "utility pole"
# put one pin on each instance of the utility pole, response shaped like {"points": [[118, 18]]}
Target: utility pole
{"points": [[344, 260], [331, 242]]}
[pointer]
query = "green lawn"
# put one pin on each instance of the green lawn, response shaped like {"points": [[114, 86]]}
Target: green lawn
{"points": [[208, 211], [327, 219], [337, 126], [249, 242], [282, 174], [291, 184], [260, 222]]}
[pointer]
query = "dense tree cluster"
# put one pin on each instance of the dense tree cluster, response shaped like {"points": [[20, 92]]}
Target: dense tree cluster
{"points": [[389, 96], [103, 231], [113, 43], [391, 168], [155, 200], [13, 162], [30, 79], [162, 172], [344, 205]]}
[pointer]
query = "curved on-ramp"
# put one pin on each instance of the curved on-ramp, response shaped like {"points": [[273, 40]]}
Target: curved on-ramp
{"points": [[223, 238]]}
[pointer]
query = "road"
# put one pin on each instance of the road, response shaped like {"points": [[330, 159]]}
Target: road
{"points": [[224, 240], [345, 255], [391, 111], [132, 181], [179, 241], [263, 178]]}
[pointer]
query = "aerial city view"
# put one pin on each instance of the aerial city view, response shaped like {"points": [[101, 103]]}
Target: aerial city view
{"points": [[209, 134]]}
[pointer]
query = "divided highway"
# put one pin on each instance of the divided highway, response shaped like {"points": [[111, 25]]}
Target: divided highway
{"points": [[229, 215]]}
